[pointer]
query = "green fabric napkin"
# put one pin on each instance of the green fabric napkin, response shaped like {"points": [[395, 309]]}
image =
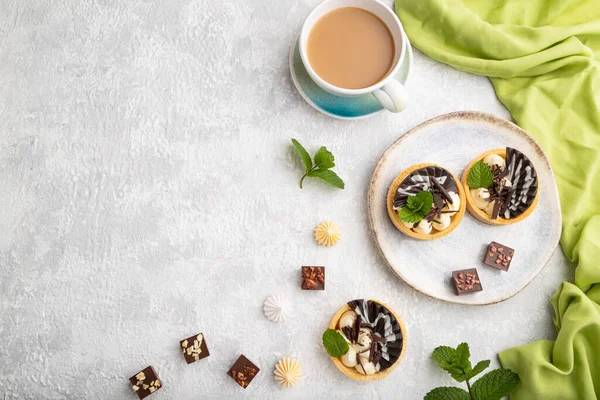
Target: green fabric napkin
{"points": [[543, 58]]}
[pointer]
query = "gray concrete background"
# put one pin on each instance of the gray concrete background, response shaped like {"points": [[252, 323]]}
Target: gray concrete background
{"points": [[150, 193]]}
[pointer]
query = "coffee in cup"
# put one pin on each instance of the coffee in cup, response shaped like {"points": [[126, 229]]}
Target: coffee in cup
{"points": [[351, 48]]}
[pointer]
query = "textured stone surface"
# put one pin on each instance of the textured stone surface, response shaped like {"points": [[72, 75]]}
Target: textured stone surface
{"points": [[150, 192]]}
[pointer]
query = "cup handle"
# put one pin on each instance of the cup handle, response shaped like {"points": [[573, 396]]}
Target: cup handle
{"points": [[392, 96]]}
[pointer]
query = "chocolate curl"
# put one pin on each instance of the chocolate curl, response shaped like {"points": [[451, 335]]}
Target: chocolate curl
{"points": [[442, 190]]}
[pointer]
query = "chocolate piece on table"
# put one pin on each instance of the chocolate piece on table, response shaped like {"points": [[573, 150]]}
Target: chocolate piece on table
{"points": [[498, 256], [313, 278], [466, 281], [243, 371], [194, 348], [145, 382]]}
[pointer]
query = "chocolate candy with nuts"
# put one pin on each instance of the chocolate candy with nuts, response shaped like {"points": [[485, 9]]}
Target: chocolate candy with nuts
{"points": [[466, 281], [498, 256], [243, 371], [145, 382], [313, 278], [194, 348]]}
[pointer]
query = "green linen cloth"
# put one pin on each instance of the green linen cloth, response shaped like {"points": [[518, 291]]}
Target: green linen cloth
{"points": [[543, 58]]}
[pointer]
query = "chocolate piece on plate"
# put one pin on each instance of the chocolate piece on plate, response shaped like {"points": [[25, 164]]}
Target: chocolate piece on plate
{"points": [[243, 371], [145, 382], [313, 278], [498, 256], [194, 348], [466, 281]]}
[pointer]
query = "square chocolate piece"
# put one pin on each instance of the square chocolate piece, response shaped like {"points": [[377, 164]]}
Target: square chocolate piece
{"points": [[194, 348], [313, 278], [466, 281], [243, 371], [145, 382], [498, 256]]}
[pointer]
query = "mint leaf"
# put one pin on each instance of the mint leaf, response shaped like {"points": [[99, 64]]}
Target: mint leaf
{"points": [[454, 361], [426, 198], [324, 159], [462, 356], [479, 367], [495, 385], [480, 176], [447, 393], [334, 343], [445, 356], [416, 207], [306, 160], [328, 176]]}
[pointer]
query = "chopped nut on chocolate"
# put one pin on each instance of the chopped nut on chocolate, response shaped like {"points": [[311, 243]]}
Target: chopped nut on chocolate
{"points": [[313, 278], [498, 256], [466, 281], [243, 371], [145, 382], [196, 351]]}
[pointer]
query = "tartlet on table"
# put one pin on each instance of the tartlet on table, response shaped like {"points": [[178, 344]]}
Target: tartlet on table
{"points": [[442, 193], [501, 186], [376, 337]]}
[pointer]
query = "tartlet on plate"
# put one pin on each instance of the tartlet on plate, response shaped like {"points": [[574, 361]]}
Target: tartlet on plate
{"points": [[370, 329], [444, 216], [514, 192]]}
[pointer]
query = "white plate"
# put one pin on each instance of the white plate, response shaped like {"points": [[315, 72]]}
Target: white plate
{"points": [[452, 141]]}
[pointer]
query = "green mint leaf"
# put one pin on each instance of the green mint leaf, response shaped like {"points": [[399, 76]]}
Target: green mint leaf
{"points": [[454, 361], [462, 355], [478, 368], [407, 215], [416, 207], [445, 356], [334, 343], [306, 160], [413, 203], [495, 385], [447, 393], [324, 159], [480, 176], [426, 198], [328, 176]]}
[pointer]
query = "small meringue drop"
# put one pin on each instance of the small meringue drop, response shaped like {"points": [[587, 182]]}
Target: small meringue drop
{"points": [[287, 372], [327, 233], [274, 308]]}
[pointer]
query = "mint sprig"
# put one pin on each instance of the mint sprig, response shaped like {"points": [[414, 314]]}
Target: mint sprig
{"points": [[324, 161], [480, 176], [334, 343], [416, 207], [492, 386]]}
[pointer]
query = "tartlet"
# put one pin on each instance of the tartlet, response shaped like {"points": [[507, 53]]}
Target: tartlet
{"points": [[427, 171], [515, 201], [395, 342]]}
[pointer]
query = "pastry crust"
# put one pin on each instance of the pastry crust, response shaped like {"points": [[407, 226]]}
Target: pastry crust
{"points": [[456, 218], [480, 214], [353, 373]]}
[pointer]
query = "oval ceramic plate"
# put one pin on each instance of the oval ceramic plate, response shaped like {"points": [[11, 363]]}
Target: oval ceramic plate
{"points": [[452, 141], [336, 106]]}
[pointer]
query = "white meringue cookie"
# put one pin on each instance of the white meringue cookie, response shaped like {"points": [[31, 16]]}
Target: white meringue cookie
{"points": [[494, 159], [423, 227], [480, 197], [489, 209], [455, 202], [347, 319], [409, 225], [442, 222], [366, 367], [349, 359]]}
